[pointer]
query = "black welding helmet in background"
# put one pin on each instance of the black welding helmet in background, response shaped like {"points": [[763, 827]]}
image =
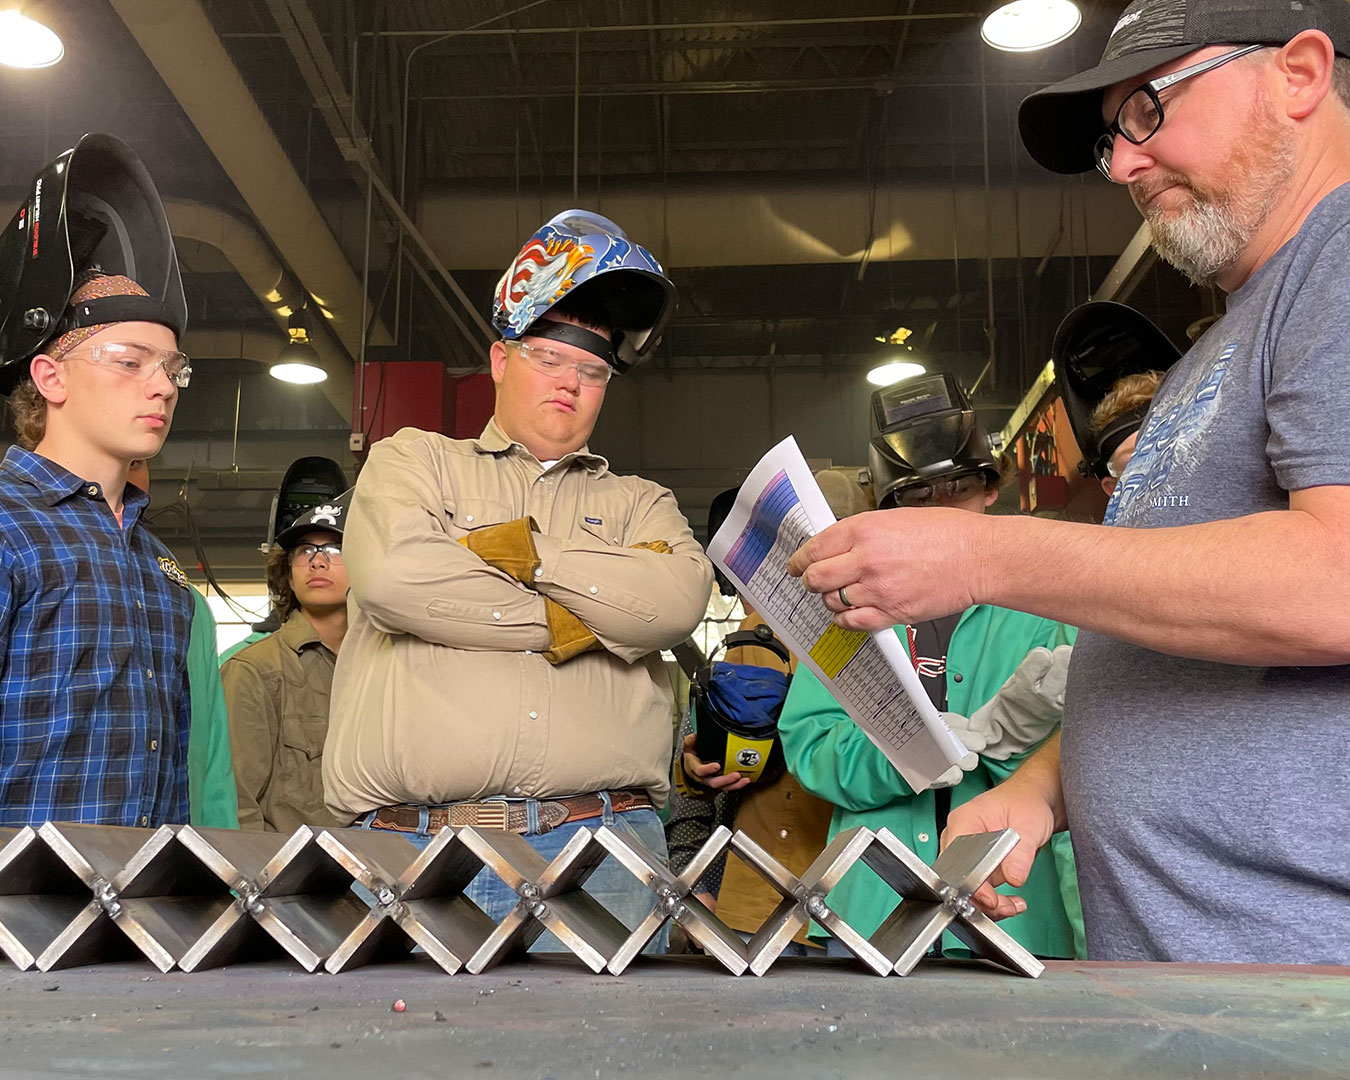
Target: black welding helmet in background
{"points": [[735, 709], [309, 482], [717, 514], [1096, 345], [925, 429], [94, 206]]}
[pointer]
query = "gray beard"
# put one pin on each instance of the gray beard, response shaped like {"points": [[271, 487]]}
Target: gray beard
{"points": [[1205, 239], [1201, 241]]}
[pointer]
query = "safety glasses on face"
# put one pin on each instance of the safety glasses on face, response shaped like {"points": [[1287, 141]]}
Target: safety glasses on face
{"points": [[137, 360], [1141, 114], [307, 553], [956, 489], [548, 361]]}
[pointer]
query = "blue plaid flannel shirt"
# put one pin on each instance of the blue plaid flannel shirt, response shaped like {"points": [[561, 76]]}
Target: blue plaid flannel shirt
{"points": [[94, 627]]}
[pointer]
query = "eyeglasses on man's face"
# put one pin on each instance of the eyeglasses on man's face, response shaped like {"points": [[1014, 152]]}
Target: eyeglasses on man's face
{"points": [[1141, 113], [956, 489], [550, 362], [305, 554], [137, 360]]}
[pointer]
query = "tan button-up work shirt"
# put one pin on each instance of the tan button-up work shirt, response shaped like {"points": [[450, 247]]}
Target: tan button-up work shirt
{"points": [[441, 693], [276, 695]]}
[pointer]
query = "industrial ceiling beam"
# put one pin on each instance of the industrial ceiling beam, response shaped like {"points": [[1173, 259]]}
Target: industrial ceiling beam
{"points": [[182, 44]]}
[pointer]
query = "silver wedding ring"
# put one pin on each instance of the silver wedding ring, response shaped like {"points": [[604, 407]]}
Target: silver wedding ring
{"points": [[843, 597]]}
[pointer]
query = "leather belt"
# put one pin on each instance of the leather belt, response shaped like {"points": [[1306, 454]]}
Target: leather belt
{"points": [[510, 816]]}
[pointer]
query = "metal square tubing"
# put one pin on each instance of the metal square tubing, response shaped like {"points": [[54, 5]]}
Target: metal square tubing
{"points": [[937, 898], [675, 901], [804, 899], [39, 896], [95, 854], [551, 897], [290, 887]]}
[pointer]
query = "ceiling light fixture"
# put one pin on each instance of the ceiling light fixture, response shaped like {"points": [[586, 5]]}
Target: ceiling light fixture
{"points": [[894, 371], [298, 362], [1028, 25], [26, 43]]}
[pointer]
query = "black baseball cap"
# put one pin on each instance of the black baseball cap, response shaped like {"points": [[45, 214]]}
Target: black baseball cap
{"points": [[1061, 124], [330, 516]]}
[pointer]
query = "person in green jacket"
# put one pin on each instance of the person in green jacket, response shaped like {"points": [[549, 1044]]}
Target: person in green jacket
{"points": [[996, 674], [212, 798]]}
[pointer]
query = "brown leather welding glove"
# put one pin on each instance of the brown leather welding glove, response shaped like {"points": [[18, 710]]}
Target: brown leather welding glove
{"points": [[568, 636], [659, 546], [508, 546]]}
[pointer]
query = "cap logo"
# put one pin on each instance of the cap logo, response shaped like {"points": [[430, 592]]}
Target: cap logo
{"points": [[1126, 20], [326, 513]]}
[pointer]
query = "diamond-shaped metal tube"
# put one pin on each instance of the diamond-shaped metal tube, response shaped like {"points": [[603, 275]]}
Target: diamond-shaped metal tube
{"points": [[551, 897], [426, 906], [674, 901], [167, 898], [937, 898], [804, 899], [409, 910], [39, 896], [95, 854], [293, 889]]}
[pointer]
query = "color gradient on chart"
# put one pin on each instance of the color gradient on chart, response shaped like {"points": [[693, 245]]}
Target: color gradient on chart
{"points": [[751, 547]]}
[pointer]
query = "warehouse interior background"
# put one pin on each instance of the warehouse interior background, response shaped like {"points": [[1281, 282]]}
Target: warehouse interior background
{"points": [[814, 177]]}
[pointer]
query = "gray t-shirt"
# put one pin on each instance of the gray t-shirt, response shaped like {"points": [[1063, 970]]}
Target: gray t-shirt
{"points": [[1209, 802]]}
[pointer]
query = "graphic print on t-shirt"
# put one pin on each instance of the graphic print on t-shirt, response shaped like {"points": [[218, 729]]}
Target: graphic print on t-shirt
{"points": [[1162, 468]]}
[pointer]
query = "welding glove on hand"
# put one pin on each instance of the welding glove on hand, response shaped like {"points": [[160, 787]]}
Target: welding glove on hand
{"points": [[1026, 709], [510, 548]]}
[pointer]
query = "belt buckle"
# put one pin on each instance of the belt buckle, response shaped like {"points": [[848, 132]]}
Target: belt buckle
{"points": [[491, 815]]}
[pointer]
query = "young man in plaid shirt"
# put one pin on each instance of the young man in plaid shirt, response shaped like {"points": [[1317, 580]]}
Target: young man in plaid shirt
{"points": [[95, 615]]}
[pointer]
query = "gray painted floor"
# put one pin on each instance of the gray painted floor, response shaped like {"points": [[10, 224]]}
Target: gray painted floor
{"points": [[677, 1015]]}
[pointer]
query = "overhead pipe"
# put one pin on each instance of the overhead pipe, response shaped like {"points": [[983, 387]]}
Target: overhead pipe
{"points": [[181, 42], [246, 249]]}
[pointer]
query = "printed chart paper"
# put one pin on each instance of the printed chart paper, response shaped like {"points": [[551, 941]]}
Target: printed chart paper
{"points": [[779, 508]]}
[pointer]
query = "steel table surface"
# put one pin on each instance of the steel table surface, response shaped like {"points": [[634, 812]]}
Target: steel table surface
{"points": [[550, 1017]]}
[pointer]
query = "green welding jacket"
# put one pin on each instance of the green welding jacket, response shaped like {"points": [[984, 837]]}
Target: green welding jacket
{"points": [[834, 760], [212, 798]]}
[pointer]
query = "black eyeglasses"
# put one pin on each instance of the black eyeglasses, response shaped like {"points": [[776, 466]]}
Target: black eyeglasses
{"points": [[307, 553], [1141, 114]]}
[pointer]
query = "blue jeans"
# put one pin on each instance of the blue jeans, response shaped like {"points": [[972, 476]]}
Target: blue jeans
{"points": [[618, 891]]}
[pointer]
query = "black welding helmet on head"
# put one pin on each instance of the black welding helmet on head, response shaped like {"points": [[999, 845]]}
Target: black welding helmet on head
{"points": [[1098, 344], [95, 206], [735, 709], [925, 429], [309, 483]]}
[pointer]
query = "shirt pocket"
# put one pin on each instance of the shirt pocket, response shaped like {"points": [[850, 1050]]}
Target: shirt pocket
{"points": [[470, 515], [603, 523], [301, 752]]}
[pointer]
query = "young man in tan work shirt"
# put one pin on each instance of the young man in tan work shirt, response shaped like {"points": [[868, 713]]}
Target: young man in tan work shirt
{"points": [[510, 596]]}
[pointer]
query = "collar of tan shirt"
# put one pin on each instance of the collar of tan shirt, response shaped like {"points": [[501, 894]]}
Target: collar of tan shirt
{"points": [[297, 633], [495, 441]]}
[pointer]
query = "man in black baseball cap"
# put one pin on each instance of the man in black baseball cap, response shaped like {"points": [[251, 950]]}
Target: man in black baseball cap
{"points": [[1203, 760], [1061, 124]]}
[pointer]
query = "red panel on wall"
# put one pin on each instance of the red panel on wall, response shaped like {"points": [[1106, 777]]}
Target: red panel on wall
{"points": [[421, 394]]}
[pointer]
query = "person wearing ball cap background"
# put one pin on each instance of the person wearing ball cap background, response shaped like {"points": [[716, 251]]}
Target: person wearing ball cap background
{"points": [[1205, 706], [511, 595], [277, 690], [96, 615]]}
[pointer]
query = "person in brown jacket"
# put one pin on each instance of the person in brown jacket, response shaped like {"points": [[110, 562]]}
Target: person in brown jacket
{"points": [[511, 596], [782, 817], [277, 689]]}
